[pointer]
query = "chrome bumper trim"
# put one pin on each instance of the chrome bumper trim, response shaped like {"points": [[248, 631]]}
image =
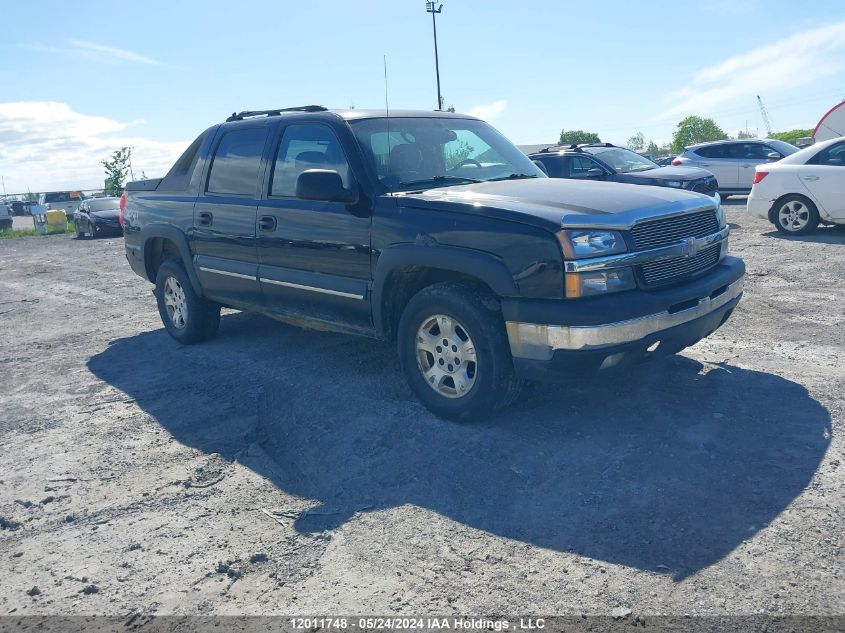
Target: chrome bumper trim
{"points": [[531, 340], [684, 248]]}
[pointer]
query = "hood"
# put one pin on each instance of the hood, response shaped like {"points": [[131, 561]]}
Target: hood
{"points": [[667, 173], [552, 202], [108, 214]]}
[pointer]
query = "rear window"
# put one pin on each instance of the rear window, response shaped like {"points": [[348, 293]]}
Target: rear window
{"points": [[234, 170], [62, 196]]}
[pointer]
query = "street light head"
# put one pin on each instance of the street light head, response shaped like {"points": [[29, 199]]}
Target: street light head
{"points": [[433, 7]]}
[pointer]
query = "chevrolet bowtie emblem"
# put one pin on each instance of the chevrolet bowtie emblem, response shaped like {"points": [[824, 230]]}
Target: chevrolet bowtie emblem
{"points": [[690, 247]]}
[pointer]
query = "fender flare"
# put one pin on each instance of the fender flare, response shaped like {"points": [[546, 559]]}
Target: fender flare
{"points": [[175, 235], [485, 267]]}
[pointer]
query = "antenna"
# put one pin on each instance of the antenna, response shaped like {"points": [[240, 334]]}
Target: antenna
{"points": [[387, 114]]}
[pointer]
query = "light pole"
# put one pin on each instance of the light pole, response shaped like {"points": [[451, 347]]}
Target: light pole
{"points": [[433, 8]]}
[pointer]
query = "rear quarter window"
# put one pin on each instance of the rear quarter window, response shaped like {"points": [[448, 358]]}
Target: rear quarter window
{"points": [[711, 151], [236, 163]]}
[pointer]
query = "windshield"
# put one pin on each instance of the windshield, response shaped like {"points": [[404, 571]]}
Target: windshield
{"points": [[621, 159], [783, 147], [105, 204], [437, 152]]}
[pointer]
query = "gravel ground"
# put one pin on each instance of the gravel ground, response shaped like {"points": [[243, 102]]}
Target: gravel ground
{"points": [[277, 471]]}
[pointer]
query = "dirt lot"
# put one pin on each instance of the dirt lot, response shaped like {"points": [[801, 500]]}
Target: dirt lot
{"points": [[276, 471]]}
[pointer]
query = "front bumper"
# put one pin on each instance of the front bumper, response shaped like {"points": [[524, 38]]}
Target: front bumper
{"points": [[583, 335], [103, 228]]}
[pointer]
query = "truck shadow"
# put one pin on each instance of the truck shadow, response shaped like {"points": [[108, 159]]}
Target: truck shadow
{"points": [[666, 468]]}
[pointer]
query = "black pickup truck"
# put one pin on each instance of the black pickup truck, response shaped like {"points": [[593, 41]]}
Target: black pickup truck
{"points": [[433, 231]]}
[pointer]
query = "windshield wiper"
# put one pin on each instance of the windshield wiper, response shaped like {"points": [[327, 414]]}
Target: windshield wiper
{"points": [[444, 178], [514, 177]]}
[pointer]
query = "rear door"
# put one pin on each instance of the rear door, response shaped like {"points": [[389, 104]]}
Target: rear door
{"points": [[824, 178], [223, 239], [718, 160], [314, 256], [749, 155]]}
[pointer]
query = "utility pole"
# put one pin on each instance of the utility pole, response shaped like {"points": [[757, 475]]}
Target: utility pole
{"points": [[433, 8]]}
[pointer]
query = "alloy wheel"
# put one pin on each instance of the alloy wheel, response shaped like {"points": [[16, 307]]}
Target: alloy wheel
{"points": [[446, 356], [174, 301], [794, 215]]}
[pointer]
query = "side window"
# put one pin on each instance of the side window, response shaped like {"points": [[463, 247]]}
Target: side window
{"points": [[303, 147], [712, 151], [554, 166], [757, 151], [579, 166], [833, 156], [234, 169]]}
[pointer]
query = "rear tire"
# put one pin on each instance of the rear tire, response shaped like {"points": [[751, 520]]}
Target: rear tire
{"points": [[469, 377], [187, 317], [795, 215]]}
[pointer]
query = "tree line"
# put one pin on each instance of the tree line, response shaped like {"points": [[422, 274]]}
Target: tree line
{"points": [[689, 131]]}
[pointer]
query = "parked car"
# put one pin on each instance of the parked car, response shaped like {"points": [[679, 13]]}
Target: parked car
{"points": [[802, 190], [5, 217], [664, 161], [98, 216], [432, 230], [733, 162], [603, 161], [17, 207], [66, 201]]}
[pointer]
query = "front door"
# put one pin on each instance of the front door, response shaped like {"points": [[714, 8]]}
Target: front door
{"points": [[314, 256], [223, 239]]}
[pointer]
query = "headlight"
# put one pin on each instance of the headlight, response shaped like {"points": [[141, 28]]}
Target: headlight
{"points": [[672, 183], [577, 243], [721, 216], [589, 284]]}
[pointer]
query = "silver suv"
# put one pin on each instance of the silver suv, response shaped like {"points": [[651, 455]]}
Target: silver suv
{"points": [[733, 162]]}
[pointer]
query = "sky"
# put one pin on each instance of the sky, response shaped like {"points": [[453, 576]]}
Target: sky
{"points": [[82, 78]]}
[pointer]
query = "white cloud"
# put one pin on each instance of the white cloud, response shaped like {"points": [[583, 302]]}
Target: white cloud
{"points": [[781, 67], [92, 50], [489, 111], [112, 52], [45, 146]]}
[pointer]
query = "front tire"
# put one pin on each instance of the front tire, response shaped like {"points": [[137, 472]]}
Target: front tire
{"points": [[454, 352], [796, 215], [187, 317]]}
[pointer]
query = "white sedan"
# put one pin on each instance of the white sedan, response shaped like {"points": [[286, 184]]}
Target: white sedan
{"points": [[803, 189]]}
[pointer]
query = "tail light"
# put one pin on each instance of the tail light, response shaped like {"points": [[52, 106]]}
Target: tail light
{"points": [[122, 207], [759, 176], [676, 162]]}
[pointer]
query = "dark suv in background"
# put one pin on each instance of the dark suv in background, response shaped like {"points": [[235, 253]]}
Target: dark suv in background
{"points": [[603, 161]]}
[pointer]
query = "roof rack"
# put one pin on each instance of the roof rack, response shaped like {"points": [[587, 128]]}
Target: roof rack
{"points": [[560, 148], [247, 114]]}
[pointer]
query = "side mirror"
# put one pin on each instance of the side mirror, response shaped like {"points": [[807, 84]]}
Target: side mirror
{"points": [[595, 172], [541, 166], [773, 156], [325, 185]]}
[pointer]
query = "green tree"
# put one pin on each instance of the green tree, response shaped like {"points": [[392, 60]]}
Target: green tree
{"points": [[576, 137], [744, 134], [652, 149], [117, 167], [695, 129], [792, 136], [637, 142]]}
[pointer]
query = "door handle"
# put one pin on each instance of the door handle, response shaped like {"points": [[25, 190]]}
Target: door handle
{"points": [[746, 166], [267, 223], [811, 177], [206, 218]]}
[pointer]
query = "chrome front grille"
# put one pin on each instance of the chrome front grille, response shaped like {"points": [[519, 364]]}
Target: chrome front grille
{"points": [[678, 268], [670, 230]]}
